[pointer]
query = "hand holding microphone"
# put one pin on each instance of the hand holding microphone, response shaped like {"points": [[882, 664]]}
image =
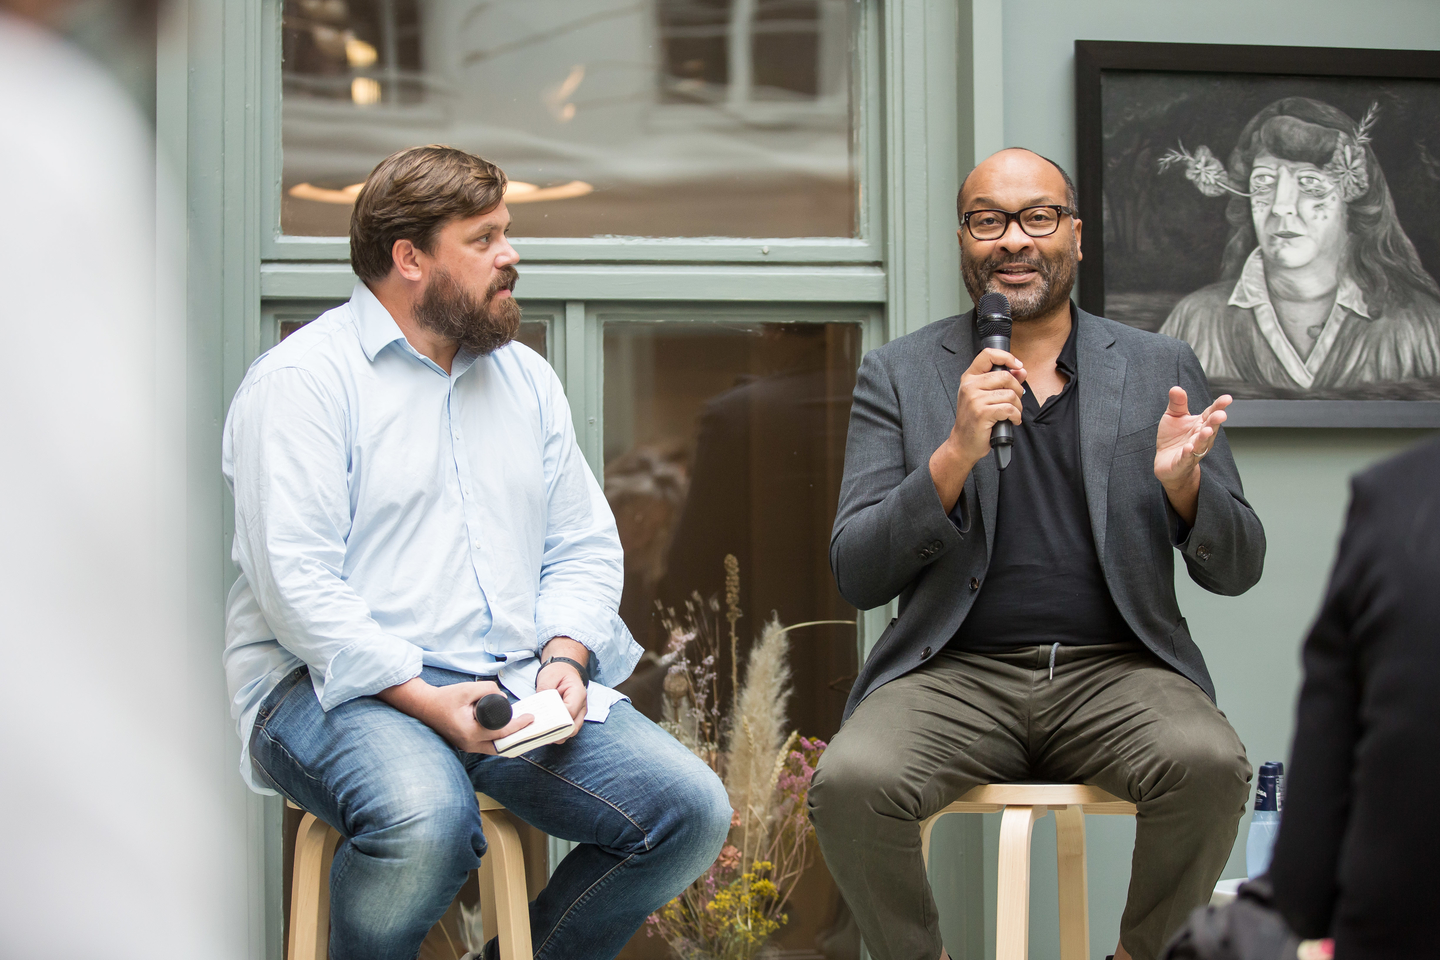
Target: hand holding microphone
{"points": [[992, 323], [986, 405], [493, 711]]}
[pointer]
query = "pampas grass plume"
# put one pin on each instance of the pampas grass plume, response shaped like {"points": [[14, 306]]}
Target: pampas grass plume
{"points": [[759, 733]]}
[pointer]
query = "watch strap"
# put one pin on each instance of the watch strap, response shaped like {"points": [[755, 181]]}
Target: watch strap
{"points": [[584, 671]]}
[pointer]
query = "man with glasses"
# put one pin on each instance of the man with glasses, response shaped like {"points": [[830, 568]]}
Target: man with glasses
{"points": [[1038, 635]]}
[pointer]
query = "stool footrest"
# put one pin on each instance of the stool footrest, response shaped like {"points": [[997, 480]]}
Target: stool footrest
{"points": [[505, 903], [1021, 804]]}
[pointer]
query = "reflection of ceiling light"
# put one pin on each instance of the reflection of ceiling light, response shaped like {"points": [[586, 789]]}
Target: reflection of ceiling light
{"points": [[358, 53], [365, 91], [305, 191], [516, 191], [556, 98]]}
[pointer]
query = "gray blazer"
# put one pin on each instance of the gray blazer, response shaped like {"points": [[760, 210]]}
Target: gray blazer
{"points": [[892, 537]]}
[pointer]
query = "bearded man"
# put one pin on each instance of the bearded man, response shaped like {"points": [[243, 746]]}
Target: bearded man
{"points": [[1038, 635], [415, 529]]}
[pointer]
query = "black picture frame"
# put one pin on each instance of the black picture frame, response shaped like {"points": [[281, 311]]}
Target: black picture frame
{"points": [[1265, 68]]}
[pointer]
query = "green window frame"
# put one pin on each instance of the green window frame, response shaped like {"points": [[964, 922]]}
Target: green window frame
{"points": [[866, 248]]}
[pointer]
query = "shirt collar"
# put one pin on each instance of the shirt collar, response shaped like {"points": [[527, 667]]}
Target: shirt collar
{"points": [[376, 327], [1250, 291], [1068, 360]]}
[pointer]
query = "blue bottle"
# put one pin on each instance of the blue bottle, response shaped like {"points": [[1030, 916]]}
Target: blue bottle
{"points": [[1265, 820]]}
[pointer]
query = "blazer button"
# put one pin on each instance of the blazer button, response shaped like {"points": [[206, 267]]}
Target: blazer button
{"points": [[974, 583], [925, 654], [1203, 551]]}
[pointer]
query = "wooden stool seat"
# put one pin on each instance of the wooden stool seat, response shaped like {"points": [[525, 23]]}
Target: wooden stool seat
{"points": [[504, 902], [1020, 805]]}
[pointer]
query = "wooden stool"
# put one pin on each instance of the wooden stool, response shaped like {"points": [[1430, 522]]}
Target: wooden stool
{"points": [[1022, 804], [503, 901]]}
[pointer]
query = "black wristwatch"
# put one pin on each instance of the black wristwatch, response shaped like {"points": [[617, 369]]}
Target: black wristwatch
{"points": [[584, 672]]}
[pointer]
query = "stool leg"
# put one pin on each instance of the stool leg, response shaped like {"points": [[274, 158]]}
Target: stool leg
{"points": [[503, 897], [310, 890], [1074, 892], [927, 826], [1012, 910]]}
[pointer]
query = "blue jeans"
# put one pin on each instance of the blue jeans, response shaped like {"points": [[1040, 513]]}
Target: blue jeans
{"points": [[648, 815]]}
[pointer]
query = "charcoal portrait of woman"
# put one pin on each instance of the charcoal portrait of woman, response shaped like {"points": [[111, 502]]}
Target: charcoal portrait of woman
{"points": [[1321, 292]]}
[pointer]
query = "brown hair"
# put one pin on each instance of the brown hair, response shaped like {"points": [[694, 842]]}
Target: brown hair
{"points": [[410, 195]]}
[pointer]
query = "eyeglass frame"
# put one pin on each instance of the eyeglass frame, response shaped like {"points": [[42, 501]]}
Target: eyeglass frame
{"points": [[1060, 209]]}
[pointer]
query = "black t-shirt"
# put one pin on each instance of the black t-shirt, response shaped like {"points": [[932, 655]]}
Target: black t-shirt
{"points": [[1044, 583]]}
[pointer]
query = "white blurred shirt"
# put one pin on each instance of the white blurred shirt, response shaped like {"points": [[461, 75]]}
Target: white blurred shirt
{"points": [[122, 841], [389, 515]]}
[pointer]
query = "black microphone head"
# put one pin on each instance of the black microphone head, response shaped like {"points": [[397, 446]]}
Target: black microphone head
{"points": [[493, 711], [992, 315]]}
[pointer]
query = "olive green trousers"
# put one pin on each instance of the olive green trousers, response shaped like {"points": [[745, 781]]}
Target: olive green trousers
{"points": [[1112, 715]]}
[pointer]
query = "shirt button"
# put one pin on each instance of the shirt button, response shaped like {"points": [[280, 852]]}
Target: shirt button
{"points": [[974, 583], [1203, 551], [925, 654], [477, 544]]}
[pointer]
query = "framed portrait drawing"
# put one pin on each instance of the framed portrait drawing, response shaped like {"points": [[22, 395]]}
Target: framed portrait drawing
{"points": [[1278, 208]]}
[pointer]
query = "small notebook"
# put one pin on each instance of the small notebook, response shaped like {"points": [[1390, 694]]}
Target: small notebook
{"points": [[552, 722]]}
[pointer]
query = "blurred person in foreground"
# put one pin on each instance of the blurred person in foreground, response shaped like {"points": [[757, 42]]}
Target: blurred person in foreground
{"points": [[1356, 856], [416, 528], [1038, 634], [120, 840]]}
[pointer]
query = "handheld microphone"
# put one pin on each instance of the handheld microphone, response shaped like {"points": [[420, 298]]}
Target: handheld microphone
{"points": [[992, 320], [492, 711]]}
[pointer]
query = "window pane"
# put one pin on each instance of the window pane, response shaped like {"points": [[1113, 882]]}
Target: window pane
{"points": [[729, 438], [680, 118]]}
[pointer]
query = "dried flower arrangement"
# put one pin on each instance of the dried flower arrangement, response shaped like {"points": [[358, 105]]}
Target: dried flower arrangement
{"points": [[736, 905]]}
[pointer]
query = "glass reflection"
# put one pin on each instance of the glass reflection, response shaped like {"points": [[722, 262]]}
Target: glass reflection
{"points": [[729, 438], [674, 118]]}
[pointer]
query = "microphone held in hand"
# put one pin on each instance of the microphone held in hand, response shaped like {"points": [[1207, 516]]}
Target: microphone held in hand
{"points": [[992, 321], [492, 711]]}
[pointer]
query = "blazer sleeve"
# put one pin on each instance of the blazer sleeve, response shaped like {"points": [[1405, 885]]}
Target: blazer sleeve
{"points": [[1225, 550], [890, 523], [1318, 794]]}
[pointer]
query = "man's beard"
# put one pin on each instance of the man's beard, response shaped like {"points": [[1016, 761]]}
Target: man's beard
{"points": [[1057, 279], [451, 311]]}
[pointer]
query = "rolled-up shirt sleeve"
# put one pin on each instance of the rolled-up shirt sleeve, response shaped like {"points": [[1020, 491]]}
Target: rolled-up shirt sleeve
{"points": [[582, 568], [289, 457]]}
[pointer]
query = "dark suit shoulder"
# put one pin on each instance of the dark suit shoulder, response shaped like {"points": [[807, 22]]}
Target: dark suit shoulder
{"points": [[918, 345], [1402, 478], [1133, 340]]}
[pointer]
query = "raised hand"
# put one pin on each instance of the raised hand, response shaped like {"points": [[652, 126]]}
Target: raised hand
{"points": [[1181, 442], [986, 396]]}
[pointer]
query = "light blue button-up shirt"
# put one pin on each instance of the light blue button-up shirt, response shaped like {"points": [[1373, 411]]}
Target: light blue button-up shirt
{"points": [[390, 515]]}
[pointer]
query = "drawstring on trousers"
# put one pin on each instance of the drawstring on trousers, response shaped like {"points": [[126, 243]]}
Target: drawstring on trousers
{"points": [[1053, 649]]}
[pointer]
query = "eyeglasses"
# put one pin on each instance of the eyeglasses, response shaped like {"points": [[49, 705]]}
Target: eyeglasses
{"points": [[1039, 221]]}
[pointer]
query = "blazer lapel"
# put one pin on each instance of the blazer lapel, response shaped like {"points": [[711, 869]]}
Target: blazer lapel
{"points": [[1102, 383], [958, 353]]}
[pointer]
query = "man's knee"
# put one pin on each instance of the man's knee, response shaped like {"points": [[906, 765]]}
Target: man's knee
{"points": [[696, 819], [852, 785], [1212, 769], [420, 822]]}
